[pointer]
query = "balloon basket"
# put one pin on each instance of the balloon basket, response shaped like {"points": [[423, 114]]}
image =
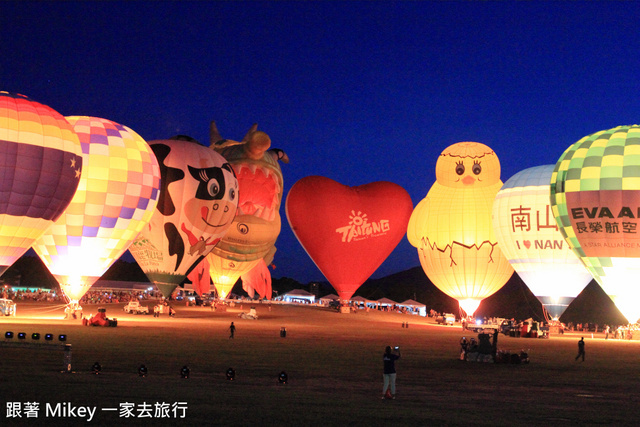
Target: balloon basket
{"points": [[345, 309]]}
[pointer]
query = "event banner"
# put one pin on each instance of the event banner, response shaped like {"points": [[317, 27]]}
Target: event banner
{"points": [[606, 221]]}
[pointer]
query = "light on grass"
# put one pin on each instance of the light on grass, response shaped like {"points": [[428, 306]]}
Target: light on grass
{"points": [[283, 378], [143, 371], [231, 374], [96, 368], [185, 372]]}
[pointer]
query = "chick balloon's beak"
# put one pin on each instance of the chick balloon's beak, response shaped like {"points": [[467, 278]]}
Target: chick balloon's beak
{"points": [[468, 180]]}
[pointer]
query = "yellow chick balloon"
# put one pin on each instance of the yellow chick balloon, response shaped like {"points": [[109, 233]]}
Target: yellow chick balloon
{"points": [[452, 227]]}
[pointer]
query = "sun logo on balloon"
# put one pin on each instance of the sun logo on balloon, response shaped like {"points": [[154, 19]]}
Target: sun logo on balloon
{"points": [[357, 219]]}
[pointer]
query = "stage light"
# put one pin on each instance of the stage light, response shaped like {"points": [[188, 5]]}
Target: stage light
{"points": [[96, 368], [35, 336], [22, 335], [48, 337], [143, 371], [8, 335], [62, 337], [283, 377], [185, 371], [231, 374]]}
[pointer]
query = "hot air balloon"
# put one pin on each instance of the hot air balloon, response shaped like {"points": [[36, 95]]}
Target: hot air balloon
{"points": [[258, 279], [529, 237], [451, 226], [197, 204], [40, 165], [257, 224], [348, 232], [595, 198], [117, 195], [225, 272]]}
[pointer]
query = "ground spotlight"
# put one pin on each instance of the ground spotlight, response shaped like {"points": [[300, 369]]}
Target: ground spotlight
{"points": [[283, 377], [22, 335], [62, 337], [96, 368], [231, 374], [185, 371], [48, 337], [35, 336], [143, 371], [8, 335]]}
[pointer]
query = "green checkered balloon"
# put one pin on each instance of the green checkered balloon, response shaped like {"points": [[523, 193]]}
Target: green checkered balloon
{"points": [[595, 199]]}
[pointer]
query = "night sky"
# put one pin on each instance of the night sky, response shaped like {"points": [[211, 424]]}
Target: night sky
{"points": [[354, 91]]}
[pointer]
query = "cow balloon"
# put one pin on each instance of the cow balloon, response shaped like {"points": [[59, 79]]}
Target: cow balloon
{"points": [[197, 204]]}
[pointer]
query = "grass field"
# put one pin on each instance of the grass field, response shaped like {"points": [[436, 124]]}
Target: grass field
{"points": [[333, 362]]}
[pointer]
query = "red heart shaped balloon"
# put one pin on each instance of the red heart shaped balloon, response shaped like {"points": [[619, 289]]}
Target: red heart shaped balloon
{"points": [[347, 231]]}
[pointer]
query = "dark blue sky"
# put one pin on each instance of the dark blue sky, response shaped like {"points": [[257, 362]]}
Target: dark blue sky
{"points": [[354, 91]]}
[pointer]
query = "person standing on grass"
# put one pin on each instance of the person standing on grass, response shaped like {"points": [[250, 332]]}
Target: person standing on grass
{"points": [[389, 374], [580, 349], [232, 330]]}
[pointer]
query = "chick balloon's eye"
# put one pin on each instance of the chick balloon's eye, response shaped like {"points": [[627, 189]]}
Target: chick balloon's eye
{"points": [[213, 187], [232, 194], [476, 169], [459, 168]]}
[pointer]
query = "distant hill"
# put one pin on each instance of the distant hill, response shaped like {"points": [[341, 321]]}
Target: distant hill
{"points": [[514, 300]]}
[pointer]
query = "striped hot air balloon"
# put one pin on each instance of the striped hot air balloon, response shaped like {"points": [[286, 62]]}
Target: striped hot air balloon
{"points": [[40, 166], [117, 195]]}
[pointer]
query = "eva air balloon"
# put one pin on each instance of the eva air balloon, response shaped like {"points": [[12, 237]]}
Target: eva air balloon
{"points": [[451, 226], [116, 197], [197, 204], [529, 237], [40, 167], [595, 197]]}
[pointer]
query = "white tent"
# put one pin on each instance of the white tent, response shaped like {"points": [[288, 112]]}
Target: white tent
{"points": [[415, 306], [298, 295], [325, 300], [386, 302]]}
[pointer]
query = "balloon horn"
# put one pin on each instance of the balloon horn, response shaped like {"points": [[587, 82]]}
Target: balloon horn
{"points": [[216, 141]]}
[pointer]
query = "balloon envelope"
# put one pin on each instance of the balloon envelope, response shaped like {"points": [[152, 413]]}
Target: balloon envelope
{"points": [[40, 164], [529, 237], [451, 226], [117, 194], [595, 197], [258, 279], [197, 204], [226, 272], [347, 231], [257, 224]]}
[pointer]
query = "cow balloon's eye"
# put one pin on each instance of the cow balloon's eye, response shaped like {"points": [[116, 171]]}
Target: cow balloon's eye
{"points": [[213, 187], [232, 194]]}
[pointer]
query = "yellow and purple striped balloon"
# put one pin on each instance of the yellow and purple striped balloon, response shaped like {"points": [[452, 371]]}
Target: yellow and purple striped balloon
{"points": [[40, 165], [116, 198]]}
